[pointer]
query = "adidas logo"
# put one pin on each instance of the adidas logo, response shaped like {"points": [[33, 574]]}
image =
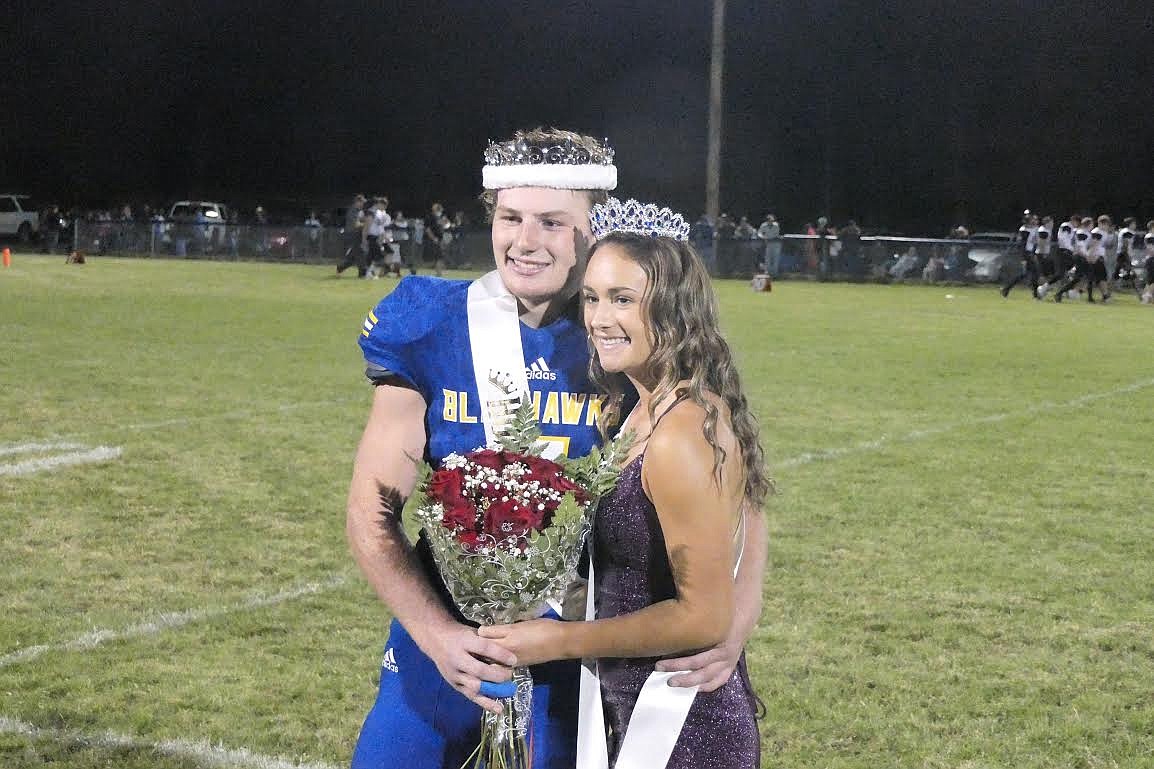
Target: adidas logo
{"points": [[390, 661], [539, 369]]}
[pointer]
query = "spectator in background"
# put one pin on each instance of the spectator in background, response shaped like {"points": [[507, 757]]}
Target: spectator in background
{"points": [[159, 232], [825, 267], [232, 235], [352, 238], [701, 236], [957, 260], [811, 249], [313, 230], [726, 245], [455, 256], [260, 230], [434, 252], [935, 269], [124, 237], [770, 234], [199, 231], [851, 254], [905, 264], [402, 243], [748, 247], [51, 225]]}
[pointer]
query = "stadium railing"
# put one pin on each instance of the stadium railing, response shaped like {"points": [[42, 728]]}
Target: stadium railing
{"points": [[872, 258]]}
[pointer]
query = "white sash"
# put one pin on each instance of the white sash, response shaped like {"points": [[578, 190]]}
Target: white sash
{"points": [[495, 341], [495, 338], [657, 718]]}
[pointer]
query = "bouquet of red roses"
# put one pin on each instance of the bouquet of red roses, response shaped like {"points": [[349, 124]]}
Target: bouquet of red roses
{"points": [[506, 527]]}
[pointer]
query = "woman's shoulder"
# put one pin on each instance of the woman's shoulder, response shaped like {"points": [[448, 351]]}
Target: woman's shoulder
{"points": [[679, 433]]}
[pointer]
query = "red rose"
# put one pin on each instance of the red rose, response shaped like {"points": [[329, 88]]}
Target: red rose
{"points": [[447, 487], [494, 460], [563, 485], [509, 518], [463, 516], [469, 540], [540, 468]]}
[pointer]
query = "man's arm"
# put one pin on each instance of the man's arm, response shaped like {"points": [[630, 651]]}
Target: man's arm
{"points": [[710, 669], [384, 474]]}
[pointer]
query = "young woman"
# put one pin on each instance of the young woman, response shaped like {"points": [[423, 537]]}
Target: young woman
{"points": [[667, 541]]}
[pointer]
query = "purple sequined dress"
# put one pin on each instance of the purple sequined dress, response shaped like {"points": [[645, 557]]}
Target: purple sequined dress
{"points": [[632, 572]]}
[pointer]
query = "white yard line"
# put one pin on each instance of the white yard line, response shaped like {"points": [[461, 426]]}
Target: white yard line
{"points": [[36, 448], [225, 415], [169, 621], [822, 455], [199, 751], [55, 461]]}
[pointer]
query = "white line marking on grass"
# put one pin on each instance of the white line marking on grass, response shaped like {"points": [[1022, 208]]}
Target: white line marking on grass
{"points": [[822, 455], [169, 621], [239, 414], [29, 466], [200, 751], [33, 448]]}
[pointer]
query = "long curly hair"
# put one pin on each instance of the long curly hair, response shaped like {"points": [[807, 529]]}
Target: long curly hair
{"points": [[681, 311]]}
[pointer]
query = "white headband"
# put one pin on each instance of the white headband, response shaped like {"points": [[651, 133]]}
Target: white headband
{"points": [[561, 176]]}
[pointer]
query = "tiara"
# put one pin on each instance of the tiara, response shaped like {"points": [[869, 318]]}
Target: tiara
{"points": [[567, 166], [638, 218]]}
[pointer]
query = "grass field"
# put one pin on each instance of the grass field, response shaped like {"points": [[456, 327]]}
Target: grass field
{"points": [[961, 570]]}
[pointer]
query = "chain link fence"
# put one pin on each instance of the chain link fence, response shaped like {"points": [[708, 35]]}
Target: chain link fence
{"points": [[993, 258], [298, 244]]}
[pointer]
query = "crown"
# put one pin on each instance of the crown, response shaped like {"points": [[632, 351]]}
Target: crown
{"points": [[568, 166], [638, 218]]}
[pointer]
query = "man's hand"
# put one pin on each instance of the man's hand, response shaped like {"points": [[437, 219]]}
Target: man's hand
{"points": [[710, 669], [464, 659]]}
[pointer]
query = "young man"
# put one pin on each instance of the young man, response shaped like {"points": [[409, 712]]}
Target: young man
{"points": [[432, 348], [353, 237], [1146, 258], [1123, 263], [1028, 235], [1064, 257], [377, 232], [1099, 249], [1082, 271]]}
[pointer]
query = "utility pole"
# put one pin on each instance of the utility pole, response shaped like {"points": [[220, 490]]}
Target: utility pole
{"points": [[713, 160]]}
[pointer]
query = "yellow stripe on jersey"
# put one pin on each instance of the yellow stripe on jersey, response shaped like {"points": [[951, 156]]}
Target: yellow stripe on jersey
{"points": [[369, 323]]}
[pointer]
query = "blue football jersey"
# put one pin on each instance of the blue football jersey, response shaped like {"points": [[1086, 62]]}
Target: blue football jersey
{"points": [[420, 332]]}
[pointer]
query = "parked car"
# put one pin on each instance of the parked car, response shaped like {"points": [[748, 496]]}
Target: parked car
{"points": [[994, 255], [213, 215], [19, 216]]}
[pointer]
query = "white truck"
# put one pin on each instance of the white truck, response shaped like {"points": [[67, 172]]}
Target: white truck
{"points": [[18, 216]]}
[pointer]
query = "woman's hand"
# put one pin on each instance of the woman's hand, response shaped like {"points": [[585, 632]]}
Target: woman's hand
{"points": [[532, 642]]}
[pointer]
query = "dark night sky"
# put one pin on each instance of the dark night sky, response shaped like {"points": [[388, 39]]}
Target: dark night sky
{"points": [[906, 114]]}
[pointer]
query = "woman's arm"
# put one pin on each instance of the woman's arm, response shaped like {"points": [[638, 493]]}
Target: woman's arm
{"points": [[697, 518], [712, 668]]}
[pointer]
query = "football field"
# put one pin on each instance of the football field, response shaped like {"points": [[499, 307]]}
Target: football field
{"points": [[961, 567]]}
